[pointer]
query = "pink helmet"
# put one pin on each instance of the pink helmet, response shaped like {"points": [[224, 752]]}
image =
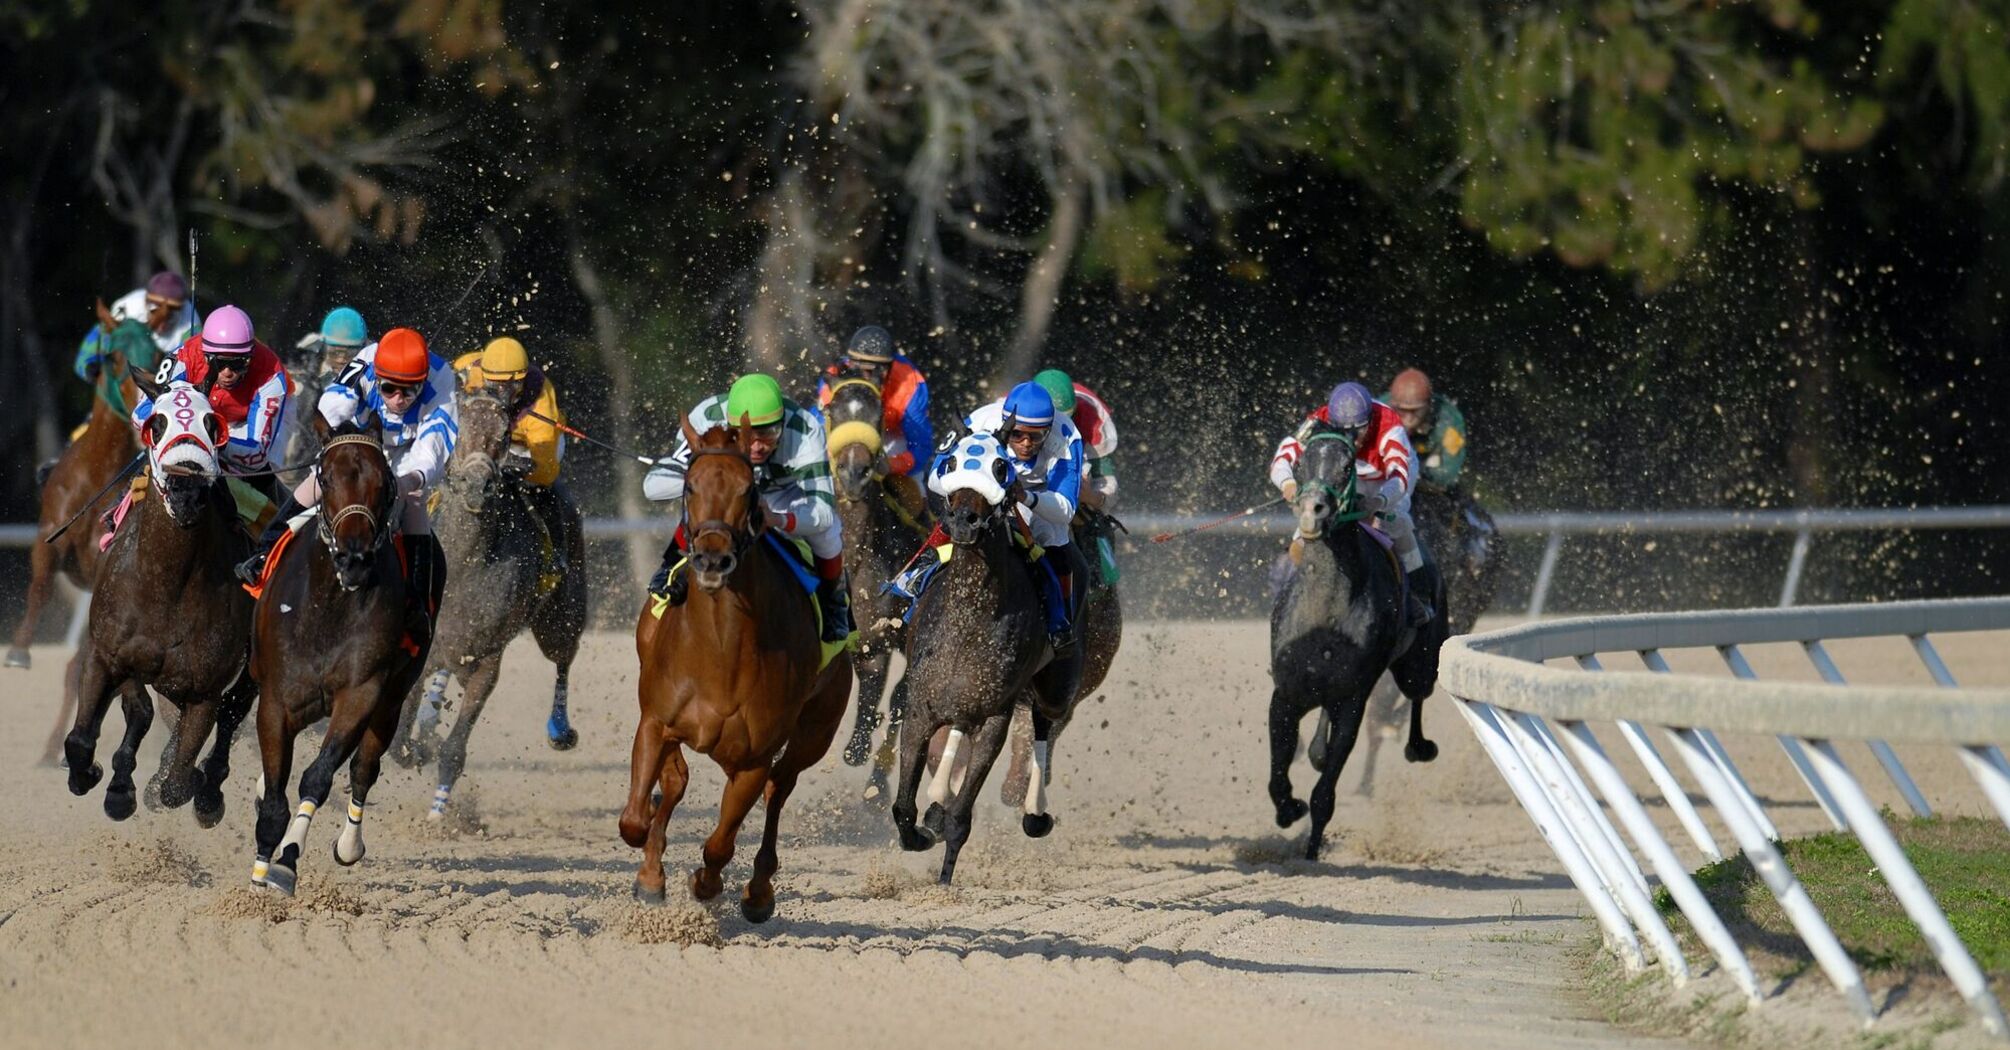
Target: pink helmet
{"points": [[227, 331]]}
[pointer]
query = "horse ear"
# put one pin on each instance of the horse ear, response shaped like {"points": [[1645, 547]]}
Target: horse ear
{"points": [[322, 431], [105, 319], [743, 433], [150, 383], [690, 433]]}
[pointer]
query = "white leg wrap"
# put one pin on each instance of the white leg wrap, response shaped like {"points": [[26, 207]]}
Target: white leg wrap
{"points": [[938, 789], [1036, 779], [296, 832], [258, 870], [349, 845], [439, 802], [428, 714]]}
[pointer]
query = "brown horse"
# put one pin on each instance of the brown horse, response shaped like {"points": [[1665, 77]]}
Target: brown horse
{"points": [[497, 557], [86, 467], [329, 641], [733, 673], [169, 613], [878, 536]]}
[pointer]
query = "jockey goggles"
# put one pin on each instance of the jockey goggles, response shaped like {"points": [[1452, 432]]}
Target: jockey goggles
{"points": [[239, 363], [393, 388]]}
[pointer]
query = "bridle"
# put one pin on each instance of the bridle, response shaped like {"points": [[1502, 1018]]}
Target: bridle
{"points": [[742, 539], [492, 471], [378, 519], [1344, 494]]}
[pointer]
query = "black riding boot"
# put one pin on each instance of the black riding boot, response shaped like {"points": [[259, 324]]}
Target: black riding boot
{"points": [[834, 598], [250, 569], [1421, 584], [424, 584], [663, 585]]}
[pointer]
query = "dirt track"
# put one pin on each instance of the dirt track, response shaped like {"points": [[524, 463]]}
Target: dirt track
{"points": [[1164, 911]]}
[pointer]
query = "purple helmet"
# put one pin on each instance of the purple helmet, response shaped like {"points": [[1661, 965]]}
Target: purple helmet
{"points": [[228, 331], [168, 288], [1348, 406]]}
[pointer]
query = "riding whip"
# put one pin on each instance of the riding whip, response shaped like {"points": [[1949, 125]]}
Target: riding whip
{"points": [[93, 501], [1218, 522], [637, 457]]}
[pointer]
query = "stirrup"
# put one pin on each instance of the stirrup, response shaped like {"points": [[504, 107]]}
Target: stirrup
{"points": [[1421, 614], [250, 569], [1063, 642]]}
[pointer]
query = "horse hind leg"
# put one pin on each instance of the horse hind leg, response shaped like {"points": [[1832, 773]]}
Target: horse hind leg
{"points": [[878, 782], [419, 721], [1036, 822], [42, 573], [480, 685], [986, 744], [871, 686], [942, 786], [914, 737], [275, 751], [120, 798], [558, 731], [557, 633], [743, 789], [815, 729]]}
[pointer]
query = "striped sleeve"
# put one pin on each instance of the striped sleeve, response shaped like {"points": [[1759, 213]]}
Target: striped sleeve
{"points": [[813, 501]]}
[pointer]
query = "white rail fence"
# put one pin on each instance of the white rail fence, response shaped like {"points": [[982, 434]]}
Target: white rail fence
{"points": [[1531, 720]]}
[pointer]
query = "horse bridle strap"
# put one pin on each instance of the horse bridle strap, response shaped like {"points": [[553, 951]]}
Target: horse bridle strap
{"points": [[380, 530], [741, 540]]}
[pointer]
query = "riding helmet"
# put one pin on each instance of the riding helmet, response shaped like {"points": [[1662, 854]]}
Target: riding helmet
{"points": [[1029, 404], [228, 331], [1059, 387], [1410, 391], [871, 344], [504, 359], [1348, 407], [755, 397], [168, 288], [343, 328], [402, 356]]}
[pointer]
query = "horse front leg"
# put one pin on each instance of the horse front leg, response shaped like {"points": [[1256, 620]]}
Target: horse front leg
{"points": [[872, 671], [558, 731], [275, 751], [415, 743], [883, 760], [94, 698], [672, 778], [914, 737], [352, 706], [986, 743], [1036, 822], [480, 684], [120, 798], [1419, 749], [378, 733], [1284, 718], [743, 789], [41, 573], [230, 716], [175, 783], [1346, 718]]}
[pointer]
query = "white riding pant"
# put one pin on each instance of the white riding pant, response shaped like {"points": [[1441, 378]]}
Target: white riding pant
{"points": [[1396, 523], [1052, 535]]}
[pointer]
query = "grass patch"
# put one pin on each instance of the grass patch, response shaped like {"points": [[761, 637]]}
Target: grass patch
{"points": [[1965, 862]]}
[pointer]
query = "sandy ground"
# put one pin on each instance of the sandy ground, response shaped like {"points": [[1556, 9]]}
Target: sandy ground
{"points": [[1164, 911]]}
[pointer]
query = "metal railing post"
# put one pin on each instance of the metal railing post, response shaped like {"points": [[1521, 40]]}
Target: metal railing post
{"points": [[1795, 563], [1741, 668], [1672, 791], [1898, 873], [1545, 572], [1594, 818], [1766, 860], [1674, 877], [1886, 757], [1987, 766], [1535, 802]]}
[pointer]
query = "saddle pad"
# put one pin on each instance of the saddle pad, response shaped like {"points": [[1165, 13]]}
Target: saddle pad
{"points": [[1388, 545], [257, 590]]}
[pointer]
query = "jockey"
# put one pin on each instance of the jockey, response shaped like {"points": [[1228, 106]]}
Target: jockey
{"points": [[794, 480], [330, 350], [903, 397], [1046, 454], [407, 391], [1383, 466], [537, 447], [1437, 427], [1092, 419], [163, 304], [249, 390]]}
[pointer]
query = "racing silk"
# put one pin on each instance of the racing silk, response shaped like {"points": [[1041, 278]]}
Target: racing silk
{"points": [[797, 483], [1052, 478], [541, 440], [904, 404], [1383, 456], [254, 409], [132, 306], [1098, 428], [420, 441], [1443, 451]]}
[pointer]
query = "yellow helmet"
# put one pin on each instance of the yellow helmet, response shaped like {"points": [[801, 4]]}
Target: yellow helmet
{"points": [[504, 359]]}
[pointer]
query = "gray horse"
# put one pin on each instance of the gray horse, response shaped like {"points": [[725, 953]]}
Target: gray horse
{"points": [[1337, 625], [503, 574]]}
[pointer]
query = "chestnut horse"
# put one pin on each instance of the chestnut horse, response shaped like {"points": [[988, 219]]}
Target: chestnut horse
{"points": [[328, 641], [878, 537], [733, 673], [169, 613]]}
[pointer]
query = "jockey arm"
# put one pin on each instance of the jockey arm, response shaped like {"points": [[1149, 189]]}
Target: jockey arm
{"points": [[1284, 462], [665, 480], [427, 456], [250, 442], [1099, 444], [803, 493], [1063, 492], [1389, 460], [542, 440], [908, 442]]}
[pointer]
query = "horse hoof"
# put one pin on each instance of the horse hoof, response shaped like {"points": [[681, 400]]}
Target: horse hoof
{"points": [[858, 749], [757, 913], [915, 840], [932, 820], [564, 741], [84, 777], [282, 878], [1290, 811], [1013, 791], [346, 861], [209, 811], [1037, 825], [1311, 849], [1421, 751], [19, 658], [645, 895], [119, 802], [705, 885], [152, 795]]}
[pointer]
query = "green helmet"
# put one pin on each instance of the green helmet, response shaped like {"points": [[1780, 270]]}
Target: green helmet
{"points": [[1059, 387], [757, 397]]}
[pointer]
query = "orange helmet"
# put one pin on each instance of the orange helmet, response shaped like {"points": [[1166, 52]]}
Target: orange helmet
{"points": [[402, 356], [1410, 391]]}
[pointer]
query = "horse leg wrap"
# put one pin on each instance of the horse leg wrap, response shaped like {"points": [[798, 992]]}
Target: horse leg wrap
{"points": [[296, 832], [349, 845], [259, 868], [439, 802], [938, 788], [1036, 779], [433, 702]]}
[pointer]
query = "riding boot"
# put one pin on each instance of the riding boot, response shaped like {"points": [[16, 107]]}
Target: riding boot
{"points": [[250, 569], [668, 584], [1420, 583], [834, 598], [422, 587]]}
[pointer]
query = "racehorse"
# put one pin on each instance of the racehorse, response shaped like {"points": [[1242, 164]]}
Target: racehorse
{"points": [[978, 645], [1338, 623], [86, 466], [502, 572], [1102, 634], [877, 534], [1461, 534], [734, 672], [169, 613], [329, 641]]}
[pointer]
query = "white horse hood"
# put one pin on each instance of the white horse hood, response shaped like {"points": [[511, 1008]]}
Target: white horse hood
{"points": [[976, 462], [181, 434]]}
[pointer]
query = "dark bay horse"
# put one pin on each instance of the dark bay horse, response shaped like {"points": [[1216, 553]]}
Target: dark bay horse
{"points": [[733, 672], [878, 537], [329, 641], [498, 559], [1338, 623], [86, 466], [168, 613], [977, 646]]}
